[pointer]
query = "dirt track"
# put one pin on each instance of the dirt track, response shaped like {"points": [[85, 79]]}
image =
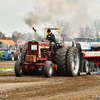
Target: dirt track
{"points": [[7, 63], [56, 88], [41, 88]]}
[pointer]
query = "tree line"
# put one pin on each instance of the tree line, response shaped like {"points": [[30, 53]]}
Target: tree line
{"points": [[92, 31], [18, 37]]}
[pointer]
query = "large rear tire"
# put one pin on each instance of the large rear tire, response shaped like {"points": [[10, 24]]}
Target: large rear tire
{"points": [[86, 66], [23, 59], [24, 53], [73, 62], [18, 69], [60, 60], [12, 57], [92, 66], [48, 69], [15, 56], [18, 55]]}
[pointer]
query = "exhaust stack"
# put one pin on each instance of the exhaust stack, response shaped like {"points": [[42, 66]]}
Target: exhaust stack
{"points": [[35, 33]]}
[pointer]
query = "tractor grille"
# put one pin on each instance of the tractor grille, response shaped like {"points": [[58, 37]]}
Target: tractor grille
{"points": [[33, 48]]}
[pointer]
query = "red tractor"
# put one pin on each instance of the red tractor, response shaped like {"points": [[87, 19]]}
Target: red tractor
{"points": [[36, 58]]}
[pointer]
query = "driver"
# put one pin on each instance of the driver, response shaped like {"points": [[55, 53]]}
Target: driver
{"points": [[78, 45], [51, 37]]}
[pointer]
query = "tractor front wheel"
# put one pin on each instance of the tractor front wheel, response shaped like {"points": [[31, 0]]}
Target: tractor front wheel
{"points": [[18, 69], [48, 69]]}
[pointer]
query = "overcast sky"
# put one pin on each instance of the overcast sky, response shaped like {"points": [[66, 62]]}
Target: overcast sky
{"points": [[76, 12]]}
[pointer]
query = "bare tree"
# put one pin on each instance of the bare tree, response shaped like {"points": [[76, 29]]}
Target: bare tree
{"points": [[86, 32], [15, 36], [2, 35], [65, 29], [96, 25], [25, 37], [81, 32]]}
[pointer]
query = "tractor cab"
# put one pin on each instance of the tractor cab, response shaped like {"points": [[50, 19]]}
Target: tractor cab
{"points": [[57, 36], [56, 31]]}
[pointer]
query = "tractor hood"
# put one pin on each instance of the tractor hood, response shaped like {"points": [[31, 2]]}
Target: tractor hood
{"points": [[44, 44], [34, 47], [40, 43]]}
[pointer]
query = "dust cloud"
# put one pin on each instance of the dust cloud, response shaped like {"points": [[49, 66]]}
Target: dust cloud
{"points": [[76, 12]]}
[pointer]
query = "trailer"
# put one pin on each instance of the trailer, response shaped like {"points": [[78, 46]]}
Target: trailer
{"points": [[86, 44], [90, 62], [90, 56]]}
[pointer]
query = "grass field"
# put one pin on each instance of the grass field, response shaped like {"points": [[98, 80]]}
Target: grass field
{"points": [[6, 69]]}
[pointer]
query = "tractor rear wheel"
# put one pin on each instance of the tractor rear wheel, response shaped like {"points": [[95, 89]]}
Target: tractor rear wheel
{"points": [[73, 62], [92, 66], [18, 55], [18, 69], [24, 53], [15, 56], [12, 57], [23, 59], [86, 66], [48, 69], [60, 60]]}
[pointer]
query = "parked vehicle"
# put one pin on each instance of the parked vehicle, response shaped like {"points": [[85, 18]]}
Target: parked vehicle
{"points": [[9, 53]]}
